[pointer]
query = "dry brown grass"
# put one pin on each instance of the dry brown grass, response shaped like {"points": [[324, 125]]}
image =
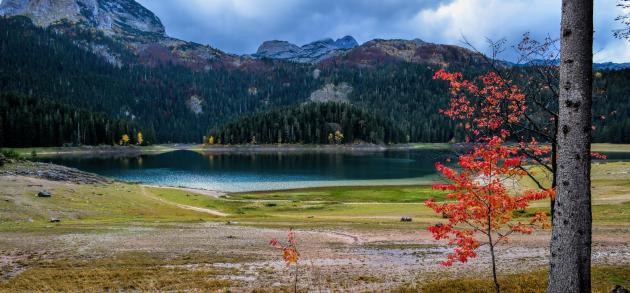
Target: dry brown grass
{"points": [[604, 279], [133, 273]]}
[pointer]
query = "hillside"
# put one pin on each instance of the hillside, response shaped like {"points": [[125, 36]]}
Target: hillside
{"points": [[165, 100], [310, 123]]}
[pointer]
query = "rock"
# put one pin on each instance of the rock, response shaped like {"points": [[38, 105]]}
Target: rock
{"points": [[406, 219], [55, 220], [44, 193], [619, 289], [113, 17], [310, 53], [347, 42], [332, 93], [279, 50]]}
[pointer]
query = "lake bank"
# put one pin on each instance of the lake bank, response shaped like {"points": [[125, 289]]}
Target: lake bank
{"points": [[105, 150]]}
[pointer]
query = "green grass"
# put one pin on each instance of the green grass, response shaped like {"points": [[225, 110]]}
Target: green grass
{"points": [[316, 212], [363, 207], [376, 194], [609, 147], [53, 151], [115, 203]]}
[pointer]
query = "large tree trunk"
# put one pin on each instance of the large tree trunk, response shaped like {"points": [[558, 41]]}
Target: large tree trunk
{"points": [[570, 269]]}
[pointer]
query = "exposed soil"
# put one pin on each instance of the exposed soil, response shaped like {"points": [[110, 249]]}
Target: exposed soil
{"points": [[51, 172], [354, 260]]}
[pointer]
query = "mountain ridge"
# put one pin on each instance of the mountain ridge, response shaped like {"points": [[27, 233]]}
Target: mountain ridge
{"points": [[313, 52], [141, 32]]}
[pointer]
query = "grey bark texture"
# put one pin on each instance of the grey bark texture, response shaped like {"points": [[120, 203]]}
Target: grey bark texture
{"points": [[570, 267]]}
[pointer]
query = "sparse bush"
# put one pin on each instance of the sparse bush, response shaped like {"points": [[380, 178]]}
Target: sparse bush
{"points": [[10, 154]]}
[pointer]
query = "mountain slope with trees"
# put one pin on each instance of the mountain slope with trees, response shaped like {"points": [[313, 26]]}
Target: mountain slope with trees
{"points": [[310, 123]]}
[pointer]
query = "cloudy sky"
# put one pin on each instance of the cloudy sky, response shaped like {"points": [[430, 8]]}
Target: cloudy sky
{"points": [[240, 26]]}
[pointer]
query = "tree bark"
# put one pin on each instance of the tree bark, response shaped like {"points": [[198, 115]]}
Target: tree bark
{"points": [[570, 267]]}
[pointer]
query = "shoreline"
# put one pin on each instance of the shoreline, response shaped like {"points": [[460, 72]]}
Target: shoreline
{"points": [[109, 150], [356, 148]]}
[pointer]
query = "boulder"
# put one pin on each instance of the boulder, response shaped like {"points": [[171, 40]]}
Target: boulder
{"points": [[619, 289], [44, 193]]}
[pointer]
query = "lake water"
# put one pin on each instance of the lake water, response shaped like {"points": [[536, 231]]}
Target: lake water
{"points": [[236, 172]]}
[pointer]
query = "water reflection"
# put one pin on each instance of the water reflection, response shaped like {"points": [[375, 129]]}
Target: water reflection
{"points": [[265, 171]]}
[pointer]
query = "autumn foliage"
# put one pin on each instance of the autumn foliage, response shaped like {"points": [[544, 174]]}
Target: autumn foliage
{"points": [[480, 201], [481, 204], [290, 253]]}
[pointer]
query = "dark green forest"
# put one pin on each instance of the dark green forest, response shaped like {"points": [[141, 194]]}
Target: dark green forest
{"points": [[28, 121], [311, 123], [40, 63], [171, 103]]}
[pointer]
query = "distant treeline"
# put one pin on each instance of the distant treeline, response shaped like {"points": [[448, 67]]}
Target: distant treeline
{"points": [[310, 123], [32, 122]]}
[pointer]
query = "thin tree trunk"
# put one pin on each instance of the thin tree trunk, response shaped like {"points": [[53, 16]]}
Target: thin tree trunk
{"points": [[554, 170], [296, 279], [570, 267], [497, 287]]}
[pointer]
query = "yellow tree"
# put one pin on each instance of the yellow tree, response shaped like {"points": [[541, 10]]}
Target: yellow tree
{"points": [[211, 140], [338, 137], [140, 139], [124, 140], [253, 140]]}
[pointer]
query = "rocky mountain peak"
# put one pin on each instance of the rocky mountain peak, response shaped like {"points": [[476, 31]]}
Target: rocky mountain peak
{"points": [[347, 42], [113, 17], [310, 53]]}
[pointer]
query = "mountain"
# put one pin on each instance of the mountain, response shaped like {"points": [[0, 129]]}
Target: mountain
{"points": [[377, 52], [310, 53], [120, 18], [597, 66], [115, 29]]}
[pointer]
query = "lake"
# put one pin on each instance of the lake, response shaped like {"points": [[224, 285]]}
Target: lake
{"points": [[238, 172]]}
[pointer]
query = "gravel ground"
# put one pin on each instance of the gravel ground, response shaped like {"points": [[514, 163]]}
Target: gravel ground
{"points": [[339, 259]]}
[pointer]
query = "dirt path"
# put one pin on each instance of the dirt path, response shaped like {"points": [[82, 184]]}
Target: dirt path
{"points": [[210, 193], [183, 206]]}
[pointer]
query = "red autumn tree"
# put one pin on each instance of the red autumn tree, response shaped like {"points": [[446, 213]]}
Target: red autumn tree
{"points": [[482, 206], [290, 253]]}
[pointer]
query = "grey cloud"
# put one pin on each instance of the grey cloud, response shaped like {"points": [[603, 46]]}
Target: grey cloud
{"points": [[240, 26]]}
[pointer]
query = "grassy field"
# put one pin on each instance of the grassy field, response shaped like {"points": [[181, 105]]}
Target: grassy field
{"points": [[128, 272], [130, 237], [365, 194], [603, 279], [380, 205], [84, 150], [84, 205]]}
